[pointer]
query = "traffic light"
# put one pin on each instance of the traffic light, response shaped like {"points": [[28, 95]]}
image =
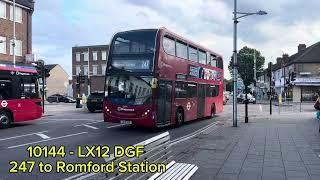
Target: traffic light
{"points": [[293, 76], [46, 72], [82, 79], [39, 66]]}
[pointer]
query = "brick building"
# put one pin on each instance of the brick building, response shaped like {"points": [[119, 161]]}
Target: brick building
{"points": [[97, 58], [24, 11]]}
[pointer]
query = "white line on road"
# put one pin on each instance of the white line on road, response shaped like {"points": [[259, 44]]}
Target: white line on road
{"points": [[43, 136], [47, 140], [74, 176], [14, 137], [88, 126], [95, 122], [61, 120], [118, 125], [260, 107]]}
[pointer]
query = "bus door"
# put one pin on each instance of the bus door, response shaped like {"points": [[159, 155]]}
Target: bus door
{"points": [[164, 100], [201, 100]]}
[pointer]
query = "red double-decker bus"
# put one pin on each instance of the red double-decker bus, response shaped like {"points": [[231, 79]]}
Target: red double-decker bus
{"points": [[19, 95], [156, 78]]}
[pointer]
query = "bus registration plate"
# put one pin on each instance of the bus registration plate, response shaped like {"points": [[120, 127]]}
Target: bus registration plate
{"points": [[125, 122]]}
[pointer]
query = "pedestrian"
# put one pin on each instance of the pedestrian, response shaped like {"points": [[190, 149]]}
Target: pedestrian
{"points": [[317, 107]]}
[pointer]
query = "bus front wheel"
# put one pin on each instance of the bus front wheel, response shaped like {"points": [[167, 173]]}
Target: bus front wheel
{"points": [[5, 120], [179, 117]]}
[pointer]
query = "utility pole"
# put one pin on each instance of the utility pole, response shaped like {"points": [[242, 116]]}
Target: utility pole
{"points": [[270, 86], [88, 71], [235, 70], [14, 34]]}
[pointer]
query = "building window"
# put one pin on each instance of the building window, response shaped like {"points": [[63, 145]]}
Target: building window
{"points": [[78, 70], [18, 14], [169, 46], [95, 55], [193, 54], [78, 55], [3, 12], [85, 56], [202, 57], [94, 70], [182, 50], [3, 45], [85, 70], [103, 55], [103, 69], [18, 48]]}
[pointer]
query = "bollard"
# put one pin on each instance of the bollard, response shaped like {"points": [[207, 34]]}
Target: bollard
{"points": [[78, 104]]}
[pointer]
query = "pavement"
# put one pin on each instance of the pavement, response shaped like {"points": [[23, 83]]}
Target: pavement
{"points": [[274, 147]]}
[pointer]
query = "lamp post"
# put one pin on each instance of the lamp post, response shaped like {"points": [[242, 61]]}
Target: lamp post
{"points": [[235, 71], [14, 33]]}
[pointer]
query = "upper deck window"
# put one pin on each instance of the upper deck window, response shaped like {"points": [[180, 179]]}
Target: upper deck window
{"points": [[213, 61], [182, 50], [193, 54], [202, 57], [169, 45]]}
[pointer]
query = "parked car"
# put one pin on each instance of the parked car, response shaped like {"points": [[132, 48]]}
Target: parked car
{"points": [[95, 101], [60, 98], [242, 97]]}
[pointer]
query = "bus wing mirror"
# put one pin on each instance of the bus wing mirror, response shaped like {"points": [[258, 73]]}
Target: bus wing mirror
{"points": [[154, 83]]}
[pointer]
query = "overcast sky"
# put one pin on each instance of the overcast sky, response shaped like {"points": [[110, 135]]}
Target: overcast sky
{"points": [[58, 25]]}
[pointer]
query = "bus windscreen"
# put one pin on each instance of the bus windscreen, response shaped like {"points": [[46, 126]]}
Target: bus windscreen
{"points": [[133, 51]]}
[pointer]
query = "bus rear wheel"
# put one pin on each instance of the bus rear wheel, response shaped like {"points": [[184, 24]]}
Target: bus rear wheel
{"points": [[179, 118], [5, 120]]}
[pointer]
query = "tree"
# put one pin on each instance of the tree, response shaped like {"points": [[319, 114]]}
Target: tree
{"points": [[246, 64], [228, 85]]}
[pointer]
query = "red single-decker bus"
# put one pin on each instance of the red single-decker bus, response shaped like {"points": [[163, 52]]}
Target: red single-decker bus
{"points": [[19, 95]]}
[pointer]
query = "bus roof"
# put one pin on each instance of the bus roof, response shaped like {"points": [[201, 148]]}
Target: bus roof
{"points": [[177, 36], [26, 69], [189, 41]]}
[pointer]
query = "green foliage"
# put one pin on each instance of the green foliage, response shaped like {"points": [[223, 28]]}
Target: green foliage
{"points": [[228, 85], [246, 64]]}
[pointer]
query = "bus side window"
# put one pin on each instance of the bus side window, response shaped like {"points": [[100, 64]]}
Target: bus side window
{"points": [[5, 89], [181, 90], [213, 60], [220, 63], [192, 90]]}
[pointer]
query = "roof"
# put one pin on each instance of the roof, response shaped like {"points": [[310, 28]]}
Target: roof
{"points": [[27, 3], [25, 69], [309, 55], [50, 66]]}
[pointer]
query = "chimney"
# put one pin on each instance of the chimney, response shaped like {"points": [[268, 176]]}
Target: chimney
{"points": [[301, 47], [285, 58], [279, 60]]}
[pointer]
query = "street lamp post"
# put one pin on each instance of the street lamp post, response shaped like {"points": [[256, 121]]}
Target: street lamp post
{"points": [[235, 70]]}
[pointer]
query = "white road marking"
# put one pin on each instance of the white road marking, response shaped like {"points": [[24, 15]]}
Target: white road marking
{"points": [[74, 176], [88, 126], [118, 125], [36, 142], [61, 120], [43, 136], [14, 137], [86, 176], [88, 123], [260, 107]]}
